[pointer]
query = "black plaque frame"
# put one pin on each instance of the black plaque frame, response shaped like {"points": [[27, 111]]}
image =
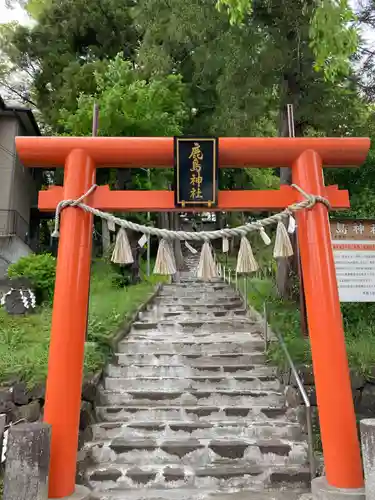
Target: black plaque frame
{"points": [[210, 171]]}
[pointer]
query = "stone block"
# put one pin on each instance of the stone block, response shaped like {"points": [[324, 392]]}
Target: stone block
{"points": [[27, 463], [357, 380], [367, 427], [367, 402], [6, 402], [30, 412], [20, 394], [321, 490], [87, 415], [38, 392]]}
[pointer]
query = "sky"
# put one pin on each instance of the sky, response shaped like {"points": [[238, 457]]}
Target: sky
{"points": [[16, 14]]}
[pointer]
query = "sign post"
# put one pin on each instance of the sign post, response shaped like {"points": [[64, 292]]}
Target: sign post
{"points": [[353, 242]]}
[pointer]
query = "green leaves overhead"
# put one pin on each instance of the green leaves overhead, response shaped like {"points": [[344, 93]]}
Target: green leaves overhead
{"points": [[333, 37], [236, 9], [129, 106]]}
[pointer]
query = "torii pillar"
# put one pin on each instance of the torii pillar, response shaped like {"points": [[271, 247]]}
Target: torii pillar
{"points": [[306, 156]]}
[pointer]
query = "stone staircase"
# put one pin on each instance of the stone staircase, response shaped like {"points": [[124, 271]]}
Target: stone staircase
{"points": [[190, 409]]}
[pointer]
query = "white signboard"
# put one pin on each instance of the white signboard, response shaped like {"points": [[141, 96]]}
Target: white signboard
{"points": [[354, 253]]}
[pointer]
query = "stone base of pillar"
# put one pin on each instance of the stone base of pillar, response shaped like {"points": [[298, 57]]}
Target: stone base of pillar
{"points": [[321, 490], [81, 493]]}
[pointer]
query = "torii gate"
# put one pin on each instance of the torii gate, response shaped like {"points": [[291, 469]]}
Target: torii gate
{"points": [[80, 157]]}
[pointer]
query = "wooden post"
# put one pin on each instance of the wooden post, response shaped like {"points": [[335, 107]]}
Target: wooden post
{"points": [[65, 367], [335, 401], [27, 462]]}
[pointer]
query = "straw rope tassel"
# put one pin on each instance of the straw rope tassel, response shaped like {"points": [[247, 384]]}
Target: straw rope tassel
{"points": [[122, 253], [283, 247], [165, 262], [246, 262], [206, 267], [266, 239]]}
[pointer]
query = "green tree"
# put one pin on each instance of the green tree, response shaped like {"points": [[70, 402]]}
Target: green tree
{"points": [[333, 38], [130, 106], [61, 50]]}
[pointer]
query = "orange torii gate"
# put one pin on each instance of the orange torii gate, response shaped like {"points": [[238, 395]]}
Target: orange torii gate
{"points": [[306, 156]]}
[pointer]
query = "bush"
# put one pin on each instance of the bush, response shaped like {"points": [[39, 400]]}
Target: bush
{"points": [[40, 269]]}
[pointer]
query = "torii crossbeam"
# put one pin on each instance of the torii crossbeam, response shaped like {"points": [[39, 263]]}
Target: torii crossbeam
{"points": [[80, 158]]}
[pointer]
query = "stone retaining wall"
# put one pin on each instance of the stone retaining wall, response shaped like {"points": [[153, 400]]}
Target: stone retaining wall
{"points": [[363, 389]]}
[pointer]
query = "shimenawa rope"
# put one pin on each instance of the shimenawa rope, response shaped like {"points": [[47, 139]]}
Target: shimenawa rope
{"points": [[309, 202]]}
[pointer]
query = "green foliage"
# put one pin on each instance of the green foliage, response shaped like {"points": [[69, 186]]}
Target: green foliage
{"points": [[129, 106], [284, 317], [40, 269], [236, 9], [333, 37], [359, 182], [24, 341], [67, 34]]}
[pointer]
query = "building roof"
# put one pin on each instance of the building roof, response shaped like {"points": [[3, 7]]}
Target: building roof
{"points": [[24, 115]]}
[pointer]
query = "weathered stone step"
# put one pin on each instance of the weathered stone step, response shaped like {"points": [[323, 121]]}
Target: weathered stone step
{"points": [[213, 325], [190, 405], [180, 315], [203, 493], [213, 301], [196, 286], [202, 348], [193, 451], [192, 295], [144, 370], [209, 383], [203, 398], [198, 429], [193, 360], [199, 337], [196, 305], [226, 476], [255, 413]]}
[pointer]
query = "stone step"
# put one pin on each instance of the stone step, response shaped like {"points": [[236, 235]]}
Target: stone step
{"points": [[193, 360], [198, 429], [255, 413], [166, 398], [189, 407], [194, 452], [180, 315], [234, 325], [196, 306], [214, 301], [288, 492], [202, 348], [195, 286], [224, 477], [167, 370], [213, 382], [214, 296]]}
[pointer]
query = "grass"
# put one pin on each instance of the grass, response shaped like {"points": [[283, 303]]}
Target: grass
{"points": [[24, 341], [284, 316]]}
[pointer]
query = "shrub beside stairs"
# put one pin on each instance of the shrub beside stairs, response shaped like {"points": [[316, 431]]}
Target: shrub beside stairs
{"points": [[189, 408]]}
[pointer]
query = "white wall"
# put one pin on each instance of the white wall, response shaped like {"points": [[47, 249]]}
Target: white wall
{"points": [[11, 249]]}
